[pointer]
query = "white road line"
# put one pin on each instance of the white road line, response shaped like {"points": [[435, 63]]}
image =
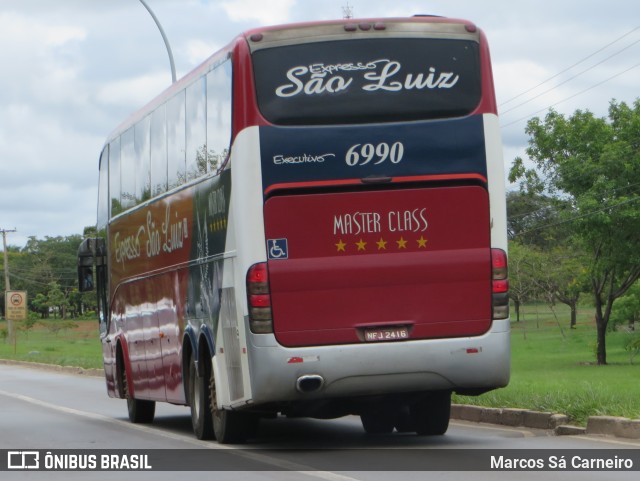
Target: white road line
{"points": [[243, 452]]}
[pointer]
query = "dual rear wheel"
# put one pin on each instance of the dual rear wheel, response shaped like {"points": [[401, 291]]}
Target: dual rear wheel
{"points": [[427, 417], [210, 422]]}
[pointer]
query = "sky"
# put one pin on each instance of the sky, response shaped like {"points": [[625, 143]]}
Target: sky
{"points": [[72, 70]]}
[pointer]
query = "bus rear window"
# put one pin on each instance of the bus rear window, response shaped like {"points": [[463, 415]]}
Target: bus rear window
{"points": [[367, 80]]}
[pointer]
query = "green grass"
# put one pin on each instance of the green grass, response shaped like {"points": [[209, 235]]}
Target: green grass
{"points": [[77, 344], [555, 373], [549, 371]]}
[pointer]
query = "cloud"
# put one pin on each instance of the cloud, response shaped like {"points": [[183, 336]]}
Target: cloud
{"points": [[265, 12], [133, 92], [197, 51]]}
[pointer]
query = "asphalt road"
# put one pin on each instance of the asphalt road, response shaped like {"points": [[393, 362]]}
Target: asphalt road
{"points": [[42, 410]]}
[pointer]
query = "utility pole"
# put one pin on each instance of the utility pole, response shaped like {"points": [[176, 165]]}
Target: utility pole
{"points": [[347, 11], [7, 285]]}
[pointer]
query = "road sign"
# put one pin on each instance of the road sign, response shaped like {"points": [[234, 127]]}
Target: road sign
{"points": [[15, 305]]}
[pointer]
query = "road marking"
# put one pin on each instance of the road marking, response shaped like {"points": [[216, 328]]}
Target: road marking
{"points": [[248, 453]]}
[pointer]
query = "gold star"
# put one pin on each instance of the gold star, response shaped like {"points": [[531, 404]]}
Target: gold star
{"points": [[361, 245], [382, 244], [402, 244], [422, 242], [341, 245]]}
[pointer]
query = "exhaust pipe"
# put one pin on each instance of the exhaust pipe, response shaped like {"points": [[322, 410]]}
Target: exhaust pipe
{"points": [[309, 383]]}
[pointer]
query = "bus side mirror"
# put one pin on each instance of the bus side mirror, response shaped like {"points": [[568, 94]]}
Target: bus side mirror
{"points": [[90, 251], [85, 278]]}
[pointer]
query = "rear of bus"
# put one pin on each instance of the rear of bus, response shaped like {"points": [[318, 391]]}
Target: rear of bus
{"points": [[376, 265]]}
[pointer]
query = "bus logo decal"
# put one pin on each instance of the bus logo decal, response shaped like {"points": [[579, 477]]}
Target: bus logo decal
{"points": [[315, 79], [277, 249], [300, 159]]}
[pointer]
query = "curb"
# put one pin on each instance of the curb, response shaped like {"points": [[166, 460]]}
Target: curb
{"points": [[614, 426], [558, 423], [55, 368]]}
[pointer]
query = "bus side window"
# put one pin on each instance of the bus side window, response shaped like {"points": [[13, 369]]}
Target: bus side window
{"points": [[159, 151], [219, 90], [176, 140], [196, 130]]}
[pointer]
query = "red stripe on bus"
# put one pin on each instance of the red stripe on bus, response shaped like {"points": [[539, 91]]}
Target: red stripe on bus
{"points": [[394, 180]]}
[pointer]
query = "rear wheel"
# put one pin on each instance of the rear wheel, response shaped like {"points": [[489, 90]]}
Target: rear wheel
{"points": [[430, 417], [403, 422], [231, 427], [140, 411], [199, 401], [379, 421]]}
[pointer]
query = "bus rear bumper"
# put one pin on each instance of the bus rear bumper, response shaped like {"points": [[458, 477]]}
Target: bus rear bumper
{"points": [[470, 364]]}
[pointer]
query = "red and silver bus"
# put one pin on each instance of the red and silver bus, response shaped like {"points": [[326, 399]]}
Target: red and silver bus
{"points": [[311, 223]]}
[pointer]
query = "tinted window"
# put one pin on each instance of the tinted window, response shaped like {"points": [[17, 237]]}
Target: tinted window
{"points": [[103, 190], [159, 151], [128, 169], [218, 115], [114, 177], [143, 159], [367, 80], [196, 129], [176, 140]]}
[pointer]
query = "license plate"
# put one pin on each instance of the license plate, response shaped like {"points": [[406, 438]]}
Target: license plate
{"points": [[386, 334]]}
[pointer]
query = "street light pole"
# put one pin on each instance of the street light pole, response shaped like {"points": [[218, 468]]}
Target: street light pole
{"points": [[164, 37]]}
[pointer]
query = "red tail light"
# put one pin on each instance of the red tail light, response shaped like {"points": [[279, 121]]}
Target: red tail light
{"points": [[500, 281], [259, 299]]}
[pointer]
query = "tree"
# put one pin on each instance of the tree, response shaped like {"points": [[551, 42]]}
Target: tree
{"points": [[627, 309], [40, 304], [522, 284], [594, 164], [564, 277], [535, 219], [57, 299]]}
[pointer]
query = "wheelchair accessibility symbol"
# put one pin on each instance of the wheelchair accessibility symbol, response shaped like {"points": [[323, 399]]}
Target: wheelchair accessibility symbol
{"points": [[277, 249]]}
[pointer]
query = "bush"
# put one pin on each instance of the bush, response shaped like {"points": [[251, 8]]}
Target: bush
{"points": [[633, 348]]}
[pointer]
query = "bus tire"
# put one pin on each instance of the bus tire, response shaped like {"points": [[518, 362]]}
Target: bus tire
{"points": [[403, 422], [140, 411], [431, 416], [199, 401], [377, 422], [231, 427]]}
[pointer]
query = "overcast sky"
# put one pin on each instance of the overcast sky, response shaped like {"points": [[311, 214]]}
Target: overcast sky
{"points": [[72, 70]]}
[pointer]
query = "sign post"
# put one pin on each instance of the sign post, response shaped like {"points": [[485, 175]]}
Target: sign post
{"points": [[16, 305], [15, 309]]}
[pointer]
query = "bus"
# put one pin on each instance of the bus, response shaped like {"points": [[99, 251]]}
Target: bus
{"points": [[310, 223]]}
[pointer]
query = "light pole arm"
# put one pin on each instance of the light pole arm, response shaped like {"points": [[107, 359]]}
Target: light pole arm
{"points": [[164, 37]]}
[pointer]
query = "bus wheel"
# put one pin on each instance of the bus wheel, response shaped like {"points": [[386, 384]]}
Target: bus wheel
{"points": [[403, 422], [140, 412], [199, 401], [431, 416], [377, 421], [231, 427]]}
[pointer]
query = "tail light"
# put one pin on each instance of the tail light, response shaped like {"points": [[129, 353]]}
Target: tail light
{"points": [[259, 299], [500, 284]]}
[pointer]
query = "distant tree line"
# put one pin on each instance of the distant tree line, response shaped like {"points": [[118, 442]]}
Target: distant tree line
{"points": [[46, 269]]}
